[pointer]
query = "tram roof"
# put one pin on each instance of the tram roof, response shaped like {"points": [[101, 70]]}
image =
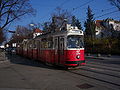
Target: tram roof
{"points": [[62, 32]]}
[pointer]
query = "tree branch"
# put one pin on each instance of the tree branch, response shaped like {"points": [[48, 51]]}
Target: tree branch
{"points": [[13, 9], [12, 20], [3, 6]]}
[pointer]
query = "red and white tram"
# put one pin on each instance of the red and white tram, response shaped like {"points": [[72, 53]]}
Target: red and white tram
{"points": [[63, 47]]}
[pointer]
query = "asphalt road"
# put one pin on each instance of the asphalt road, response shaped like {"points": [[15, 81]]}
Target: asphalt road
{"points": [[18, 73]]}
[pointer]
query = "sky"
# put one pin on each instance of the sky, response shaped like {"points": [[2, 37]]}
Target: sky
{"points": [[101, 9]]}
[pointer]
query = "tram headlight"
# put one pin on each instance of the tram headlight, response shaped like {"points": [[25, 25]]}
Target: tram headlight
{"points": [[78, 57]]}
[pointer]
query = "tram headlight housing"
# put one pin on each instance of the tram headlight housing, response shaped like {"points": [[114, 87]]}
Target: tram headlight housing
{"points": [[78, 57]]}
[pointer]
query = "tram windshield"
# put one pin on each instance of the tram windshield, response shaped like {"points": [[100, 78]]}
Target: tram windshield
{"points": [[75, 41]]}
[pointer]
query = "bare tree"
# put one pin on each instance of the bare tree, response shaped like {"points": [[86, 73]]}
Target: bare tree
{"points": [[22, 31], [45, 26], [10, 10], [20, 34], [59, 16], [115, 3]]}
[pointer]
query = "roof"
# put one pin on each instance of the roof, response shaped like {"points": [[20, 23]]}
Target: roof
{"points": [[37, 30], [99, 23], [117, 22]]}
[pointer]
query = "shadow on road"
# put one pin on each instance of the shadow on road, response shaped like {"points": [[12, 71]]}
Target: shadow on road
{"points": [[117, 62], [106, 60], [16, 59]]}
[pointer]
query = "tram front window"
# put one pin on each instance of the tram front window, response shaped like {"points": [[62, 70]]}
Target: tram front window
{"points": [[74, 41]]}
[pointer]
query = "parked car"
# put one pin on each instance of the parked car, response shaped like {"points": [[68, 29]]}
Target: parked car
{"points": [[11, 50]]}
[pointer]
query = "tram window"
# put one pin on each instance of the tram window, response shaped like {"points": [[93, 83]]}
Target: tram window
{"points": [[43, 43], [50, 44], [38, 45], [34, 45], [30, 46], [74, 42], [62, 45], [55, 43], [46, 44]]}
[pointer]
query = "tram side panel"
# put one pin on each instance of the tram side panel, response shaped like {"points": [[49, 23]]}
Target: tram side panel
{"points": [[48, 51], [47, 56], [56, 51], [42, 55], [20, 50], [35, 53], [39, 54], [39, 45], [62, 54], [25, 50], [35, 49], [52, 56], [82, 57], [30, 51]]}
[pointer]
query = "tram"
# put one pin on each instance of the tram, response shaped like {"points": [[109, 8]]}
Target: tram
{"points": [[63, 48]]}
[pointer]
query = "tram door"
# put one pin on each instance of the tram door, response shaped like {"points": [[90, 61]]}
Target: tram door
{"points": [[56, 61], [59, 49]]}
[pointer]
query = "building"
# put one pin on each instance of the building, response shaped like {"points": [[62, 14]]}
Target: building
{"points": [[106, 28], [14, 42], [36, 32], [99, 28]]}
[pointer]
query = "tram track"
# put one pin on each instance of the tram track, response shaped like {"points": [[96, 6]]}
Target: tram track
{"points": [[109, 79], [99, 72], [112, 84], [98, 79], [102, 67], [102, 64]]}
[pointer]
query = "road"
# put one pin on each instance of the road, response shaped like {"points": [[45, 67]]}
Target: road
{"points": [[18, 73]]}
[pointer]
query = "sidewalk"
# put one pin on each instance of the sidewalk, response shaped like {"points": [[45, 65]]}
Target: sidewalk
{"points": [[3, 56], [3, 60]]}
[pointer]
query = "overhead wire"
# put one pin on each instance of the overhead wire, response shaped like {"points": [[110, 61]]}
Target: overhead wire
{"points": [[104, 10], [117, 17], [82, 5], [107, 14], [64, 2], [107, 9], [73, 9]]}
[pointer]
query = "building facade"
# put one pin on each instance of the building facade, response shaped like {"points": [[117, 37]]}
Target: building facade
{"points": [[107, 28]]}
